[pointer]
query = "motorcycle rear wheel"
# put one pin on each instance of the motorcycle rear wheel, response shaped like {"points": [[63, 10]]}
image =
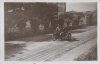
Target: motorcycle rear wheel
{"points": [[69, 36]]}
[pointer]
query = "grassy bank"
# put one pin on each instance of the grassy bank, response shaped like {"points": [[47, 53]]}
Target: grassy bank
{"points": [[89, 56]]}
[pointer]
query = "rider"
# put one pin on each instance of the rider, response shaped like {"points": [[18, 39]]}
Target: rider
{"points": [[58, 29], [61, 31], [64, 31]]}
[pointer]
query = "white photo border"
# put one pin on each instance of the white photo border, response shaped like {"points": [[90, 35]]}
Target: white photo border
{"points": [[2, 53]]}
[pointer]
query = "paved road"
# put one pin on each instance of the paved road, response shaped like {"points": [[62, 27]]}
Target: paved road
{"points": [[42, 48]]}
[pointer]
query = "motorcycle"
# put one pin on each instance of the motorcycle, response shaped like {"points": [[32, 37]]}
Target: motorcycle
{"points": [[62, 36]]}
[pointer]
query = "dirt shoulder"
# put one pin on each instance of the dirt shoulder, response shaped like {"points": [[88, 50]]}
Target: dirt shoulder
{"points": [[89, 56]]}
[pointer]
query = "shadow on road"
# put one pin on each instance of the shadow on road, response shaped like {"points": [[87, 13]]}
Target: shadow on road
{"points": [[70, 40], [12, 49], [73, 39]]}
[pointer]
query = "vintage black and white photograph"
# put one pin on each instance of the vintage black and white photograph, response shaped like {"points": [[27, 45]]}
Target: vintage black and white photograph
{"points": [[50, 31]]}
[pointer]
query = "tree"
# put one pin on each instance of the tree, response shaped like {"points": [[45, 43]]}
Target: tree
{"points": [[29, 11]]}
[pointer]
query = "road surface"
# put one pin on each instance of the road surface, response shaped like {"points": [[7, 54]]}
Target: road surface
{"points": [[43, 48]]}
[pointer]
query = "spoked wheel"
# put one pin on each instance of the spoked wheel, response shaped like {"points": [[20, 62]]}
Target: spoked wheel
{"points": [[69, 36], [54, 37]]}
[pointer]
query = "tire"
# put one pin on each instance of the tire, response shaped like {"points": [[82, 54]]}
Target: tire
{"points": [[69, 36], [54, 37]]}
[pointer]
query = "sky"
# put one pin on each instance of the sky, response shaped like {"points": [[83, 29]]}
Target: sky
{"points": [[81, 7]]}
